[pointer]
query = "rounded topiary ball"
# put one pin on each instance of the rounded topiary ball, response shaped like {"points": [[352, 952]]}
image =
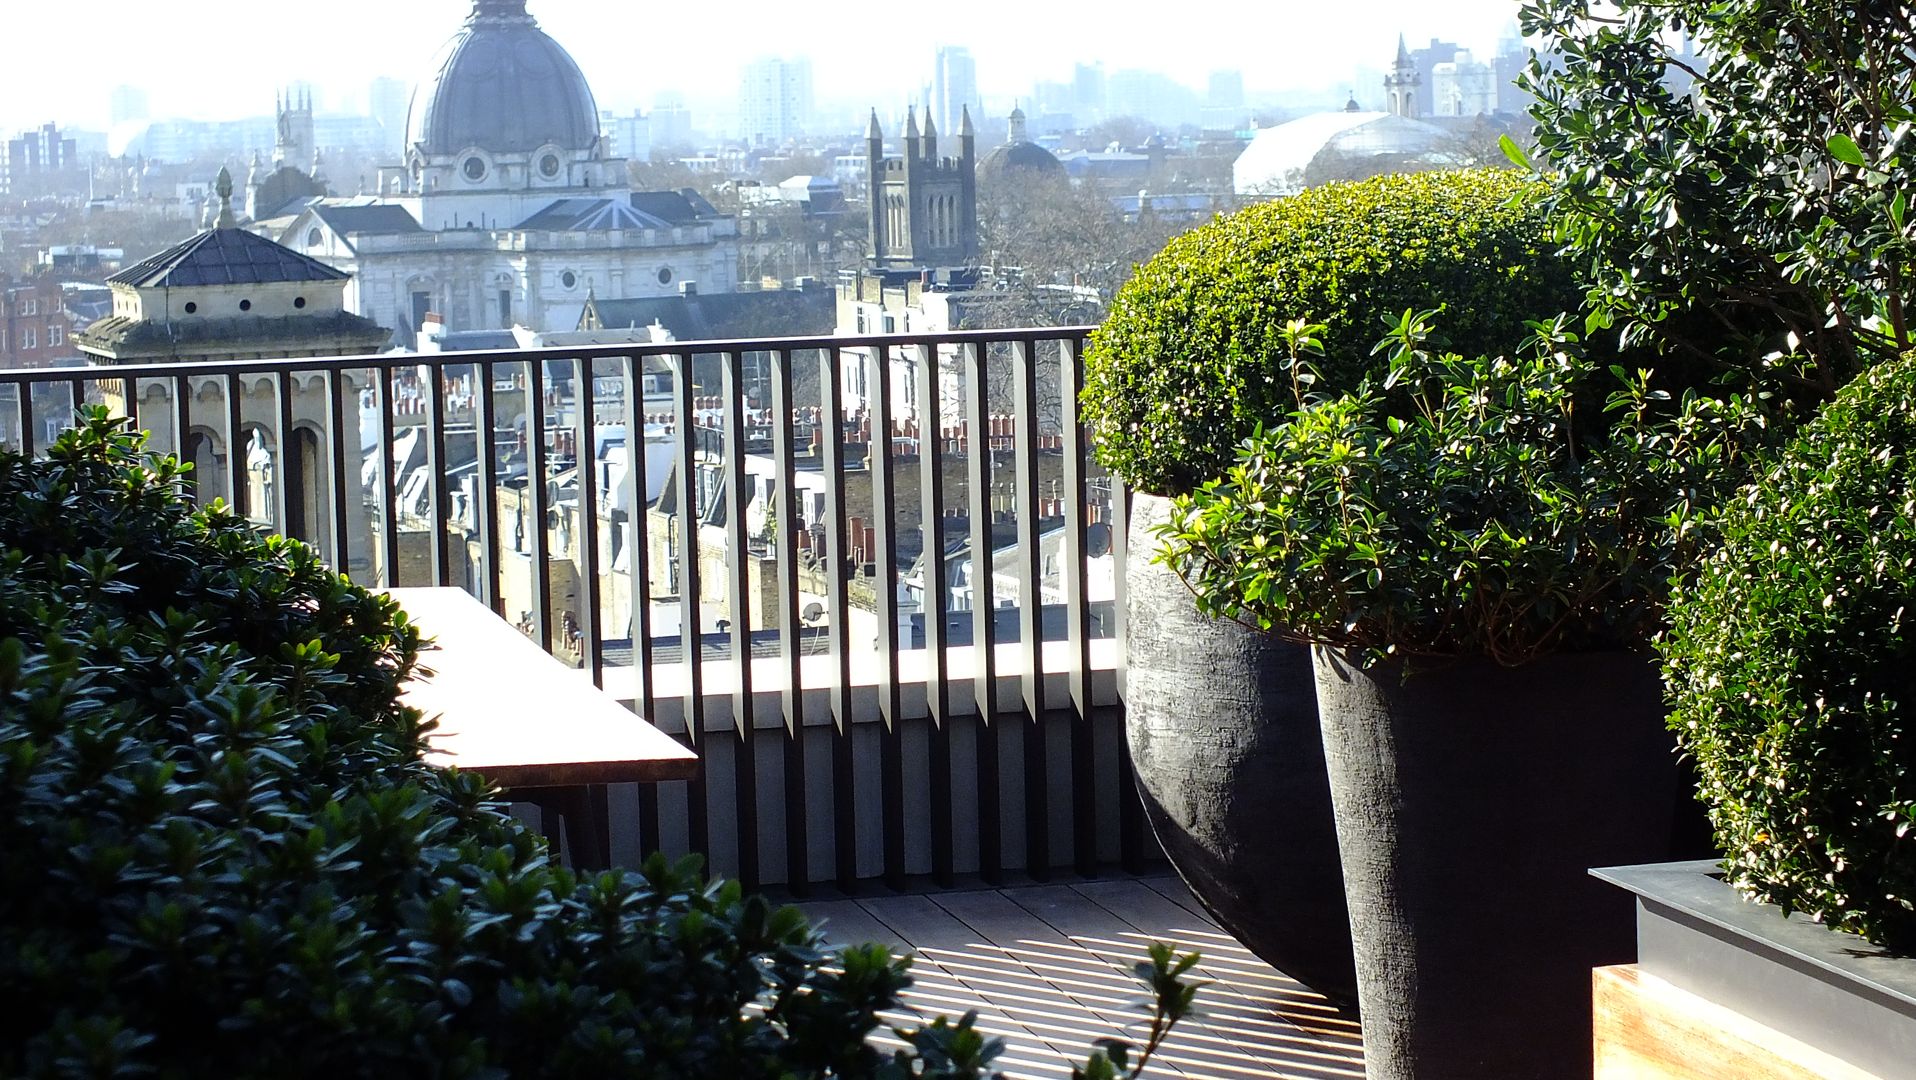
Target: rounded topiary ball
{"points": [[1790, 662], [1187, 364]]}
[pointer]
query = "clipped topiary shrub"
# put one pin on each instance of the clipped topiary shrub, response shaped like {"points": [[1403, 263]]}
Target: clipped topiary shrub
{"points": [[1188, 363], [221, 854], [1789, 663]]}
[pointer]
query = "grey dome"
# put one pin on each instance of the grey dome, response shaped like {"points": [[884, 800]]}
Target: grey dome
{"points": [[503, 86], [1020, 157]]}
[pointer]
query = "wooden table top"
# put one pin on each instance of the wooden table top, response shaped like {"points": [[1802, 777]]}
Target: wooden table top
{"points": [[512, 713]]}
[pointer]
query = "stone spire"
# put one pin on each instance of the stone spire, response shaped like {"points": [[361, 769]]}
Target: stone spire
{"points": [[223, 187], [873, 133], [931, 139], [1400, 86], [911, 122]]}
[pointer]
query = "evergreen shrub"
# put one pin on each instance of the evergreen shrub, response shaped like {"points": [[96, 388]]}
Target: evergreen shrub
{"points": [[1789, 661], [1191, 359]]}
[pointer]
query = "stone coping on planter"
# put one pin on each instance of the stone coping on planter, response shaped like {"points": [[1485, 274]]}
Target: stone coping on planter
{"points": [[1827, 988]]}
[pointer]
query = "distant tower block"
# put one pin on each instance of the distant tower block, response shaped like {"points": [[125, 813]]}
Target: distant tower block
{"points": [[1400, 86]]}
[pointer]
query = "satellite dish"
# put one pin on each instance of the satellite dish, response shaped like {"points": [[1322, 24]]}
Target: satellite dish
{"points": [[813, 612], [1097, 540]]}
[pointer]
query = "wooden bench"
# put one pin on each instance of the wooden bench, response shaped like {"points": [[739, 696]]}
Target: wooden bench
{"points": [[512, 713]]}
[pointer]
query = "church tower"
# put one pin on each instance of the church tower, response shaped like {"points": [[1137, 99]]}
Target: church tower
{"points": [[294, 144], [924, 207], [1400, 86]]}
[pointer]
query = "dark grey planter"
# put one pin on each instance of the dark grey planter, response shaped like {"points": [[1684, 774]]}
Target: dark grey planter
{"points": [[1470, 801], [1828, 989], [1222, 723]]}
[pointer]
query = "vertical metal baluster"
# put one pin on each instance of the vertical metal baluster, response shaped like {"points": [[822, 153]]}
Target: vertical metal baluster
{"points": [[691, 631], [745, 757], [838, 625], [235, 451], [130, 397], [984, 632], [535, 503], [891, 762], [24, 402], [931, 495], [1031, 613], [585, 415], [182, 418], [384, 402], [1133, 834], [790, 633], [76, 389], [1076, 585], [485, 511], [283, 454], [345, 475], [439, 516], [639, 563]]}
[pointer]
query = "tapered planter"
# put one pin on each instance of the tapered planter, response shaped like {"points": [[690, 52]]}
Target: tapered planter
{"points": [[1222, 723], [1470, 802], [1827, 990]]}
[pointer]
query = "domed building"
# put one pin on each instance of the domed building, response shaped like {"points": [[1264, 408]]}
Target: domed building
{"points": [[1019, 158], [508, 207]]}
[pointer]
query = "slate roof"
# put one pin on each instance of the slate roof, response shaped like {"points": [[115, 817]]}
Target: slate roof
{"points": [[225, 257], [678, 207], [373, 218], [720, 316], [583, 215]]}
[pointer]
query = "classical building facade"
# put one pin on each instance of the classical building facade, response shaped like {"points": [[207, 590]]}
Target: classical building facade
{"points": [[509, 206], [230, 294]]}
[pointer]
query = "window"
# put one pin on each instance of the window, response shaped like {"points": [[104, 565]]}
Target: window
{"points": [[665, 275], [475, 168], [299, 302], [505, 307], [246, 305], [549, 166], [192, 308], [56, 335], [313, 238], [569, 279], [861, 320], [421, 304], [30, 306], [29, 339]]}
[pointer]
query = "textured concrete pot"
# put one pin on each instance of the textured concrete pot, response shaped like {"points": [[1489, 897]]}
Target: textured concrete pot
{"points": [[1827, 989], [1222, 723], [1471, 801]]}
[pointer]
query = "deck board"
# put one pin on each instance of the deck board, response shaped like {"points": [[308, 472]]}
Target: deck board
{"points": [[1048, 969]]}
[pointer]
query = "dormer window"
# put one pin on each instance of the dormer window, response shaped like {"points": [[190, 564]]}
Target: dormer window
{"points": [[475, 168], [549, 166]]}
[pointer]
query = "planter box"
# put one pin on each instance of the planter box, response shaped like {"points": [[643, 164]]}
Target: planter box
{"points": [[1830, 991]]}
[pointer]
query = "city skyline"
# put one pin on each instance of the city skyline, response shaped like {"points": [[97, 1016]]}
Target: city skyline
{"points": [[150, 48]]}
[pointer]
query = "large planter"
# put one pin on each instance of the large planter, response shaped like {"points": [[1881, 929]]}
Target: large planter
{"points": [[1470, 801], [1222, 723], [1831, 991]]}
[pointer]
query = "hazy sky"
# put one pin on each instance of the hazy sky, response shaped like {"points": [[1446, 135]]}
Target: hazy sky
{"points": [[199, 66]]}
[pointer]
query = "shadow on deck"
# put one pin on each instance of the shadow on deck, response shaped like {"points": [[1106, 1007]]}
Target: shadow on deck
{"points": [[1048, 969]]}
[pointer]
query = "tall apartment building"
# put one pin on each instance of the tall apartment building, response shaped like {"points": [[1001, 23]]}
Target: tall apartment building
{"points": [[954, 88], [774, 100], [39, 163]]}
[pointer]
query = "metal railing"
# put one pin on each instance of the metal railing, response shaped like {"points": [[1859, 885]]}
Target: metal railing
{"points": [[874, 581]]}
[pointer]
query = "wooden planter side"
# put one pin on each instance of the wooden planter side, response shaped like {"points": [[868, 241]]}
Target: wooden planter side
{"points": [[1647, 1029]]}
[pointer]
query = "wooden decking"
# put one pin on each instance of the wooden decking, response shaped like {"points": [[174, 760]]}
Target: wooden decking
{"points": [[1047, 967]]}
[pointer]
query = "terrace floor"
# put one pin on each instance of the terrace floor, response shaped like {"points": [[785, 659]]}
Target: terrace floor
{"points": [[1048, 969]]}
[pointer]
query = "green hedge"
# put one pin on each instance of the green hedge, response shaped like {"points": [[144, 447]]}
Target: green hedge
{"points": [[1789, 662], [1187, 364]]}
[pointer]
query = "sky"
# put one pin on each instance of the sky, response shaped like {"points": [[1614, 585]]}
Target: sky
{"points": [[196, 67]]}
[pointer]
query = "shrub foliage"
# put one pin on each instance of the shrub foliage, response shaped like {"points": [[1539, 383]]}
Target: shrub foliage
{"points": [[1492, 520], [221, 854], [1789, 659], [1190, 360]]}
